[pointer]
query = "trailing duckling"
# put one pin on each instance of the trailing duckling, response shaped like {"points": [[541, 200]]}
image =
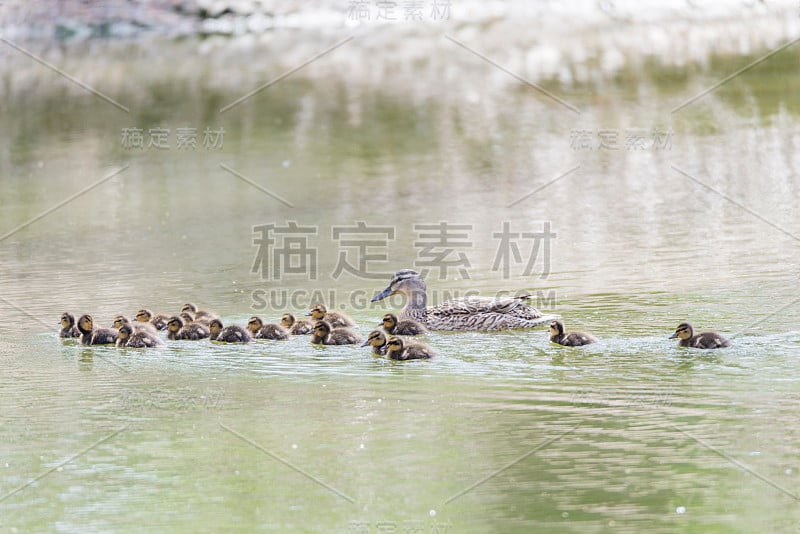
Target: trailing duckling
{"points": [[159, 320], [129, 337], [121, 320], [704, 340], [569, 339], [201, 316], [228, 334], [377, 340], [297, 327], [95, 336], [177, 329], [68, 328], [407, 327], [400, 349], [259, 330], [325, 334], [335, 319]]}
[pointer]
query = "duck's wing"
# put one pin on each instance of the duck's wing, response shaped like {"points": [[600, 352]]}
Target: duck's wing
{"points": [[485, 313], [516, 306]]}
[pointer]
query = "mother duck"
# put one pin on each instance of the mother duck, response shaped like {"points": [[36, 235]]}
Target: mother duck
{"points": [[465, 314]]}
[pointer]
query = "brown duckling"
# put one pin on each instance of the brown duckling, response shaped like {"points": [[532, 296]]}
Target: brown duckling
{"points": [[406, 327], [325, 334], [298, 327], [377, 340], [335, 319], [68, 328], [399, 349], [159, 320], [569, 339], [130, 337], [704, 340], [201, 316], [228, 334], [95, 336], [121, 320], [259, 330], [177, 329]]}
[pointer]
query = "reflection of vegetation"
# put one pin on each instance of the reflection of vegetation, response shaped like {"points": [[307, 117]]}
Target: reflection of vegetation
{"points": [[371, 123]]}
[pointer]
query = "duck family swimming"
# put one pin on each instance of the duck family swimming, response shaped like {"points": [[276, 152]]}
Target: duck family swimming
{"points": [[416, 318]]}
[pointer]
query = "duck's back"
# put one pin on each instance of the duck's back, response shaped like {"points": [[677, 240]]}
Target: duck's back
{"points": [[708, 340], [483, 313], [344, 336]]}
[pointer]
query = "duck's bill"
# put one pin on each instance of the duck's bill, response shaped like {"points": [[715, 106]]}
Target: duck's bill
{"points": [[364, 344], [308, 314], [382, 295], [673, 336]]}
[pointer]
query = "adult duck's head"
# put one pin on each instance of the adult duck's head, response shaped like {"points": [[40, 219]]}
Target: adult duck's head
{"points": [[408, 282]]}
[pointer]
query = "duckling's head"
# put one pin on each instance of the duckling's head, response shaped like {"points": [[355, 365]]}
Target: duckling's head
{"points": [[406, 281], [376, 338], [187, 317], [85, 324], [174, 324], [67, 320], [254, 324], [556, 328], [125, 332], [189, 307], [322, 329], [318, 312], [215, 326], [389, 321], [143, 316], [287, 320], [684, 331], [394, 344], [120, 320]]}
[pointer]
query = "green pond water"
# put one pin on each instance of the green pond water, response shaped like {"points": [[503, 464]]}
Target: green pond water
{"points": [[500, 432]]}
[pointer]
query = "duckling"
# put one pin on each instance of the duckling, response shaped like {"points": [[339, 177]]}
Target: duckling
{"points": [[470, 313], [325, 334], [398, 349], [201, 316], [121, 320], [129, 337], [228, 334], [335, 319], [406, 327], [68, 328], [297, 327], [259, 330], [705, 340], [377, 340], [188, 317], [570, 339], [159, 320], [95, 336], [177, 329]]}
